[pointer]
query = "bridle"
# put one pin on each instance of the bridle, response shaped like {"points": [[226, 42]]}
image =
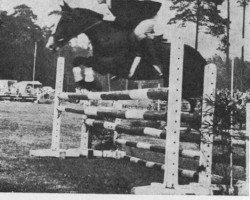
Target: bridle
{"points": [[89, 27]]}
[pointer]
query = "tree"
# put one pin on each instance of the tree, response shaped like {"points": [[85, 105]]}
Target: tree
{"points": [[17, 37], [243, 4], [203, 13], [241, 74], [223, 75]]}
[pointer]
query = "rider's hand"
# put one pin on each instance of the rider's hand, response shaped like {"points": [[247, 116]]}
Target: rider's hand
{"points": [[150, 35], [101, 1], [109, 17]]}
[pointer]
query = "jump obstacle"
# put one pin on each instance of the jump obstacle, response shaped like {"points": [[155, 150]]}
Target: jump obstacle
{"points": [[173, 132]]}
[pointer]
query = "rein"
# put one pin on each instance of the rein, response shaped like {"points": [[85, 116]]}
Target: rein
{"points": [[91, 26]]}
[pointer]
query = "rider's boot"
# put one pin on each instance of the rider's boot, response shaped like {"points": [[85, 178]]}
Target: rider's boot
{"points": [[156, 62]]}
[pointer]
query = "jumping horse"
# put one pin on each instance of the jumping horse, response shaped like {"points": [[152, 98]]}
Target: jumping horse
{"points": [[114, 50]]}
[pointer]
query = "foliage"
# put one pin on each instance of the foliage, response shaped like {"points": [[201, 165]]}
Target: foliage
{"points": [[17, 38], [204, 13], [241, 80], [18, 35], [243, 2], [223, 74], [227, 106]]}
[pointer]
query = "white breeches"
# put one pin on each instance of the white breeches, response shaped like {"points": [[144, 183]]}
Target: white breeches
{"points": [[144, 28]]}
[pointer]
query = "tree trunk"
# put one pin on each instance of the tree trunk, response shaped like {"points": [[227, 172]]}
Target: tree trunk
{"points": [[242, 79], [228, 34], [243, 28], [197, 24]]}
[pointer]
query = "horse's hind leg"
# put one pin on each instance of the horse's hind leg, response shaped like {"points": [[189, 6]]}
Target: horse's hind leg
{"points": [[144, 47], [152, 51]]}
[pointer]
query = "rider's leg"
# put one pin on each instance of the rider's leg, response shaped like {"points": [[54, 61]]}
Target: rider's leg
{"points": [[134, 66], [152, 51], [78, 77], [142, 31]]}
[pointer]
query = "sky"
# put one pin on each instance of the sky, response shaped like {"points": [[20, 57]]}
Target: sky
{"points": [[207, 45]]}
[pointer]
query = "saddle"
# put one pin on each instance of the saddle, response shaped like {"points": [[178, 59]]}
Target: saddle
{"points": [[160, 38]]}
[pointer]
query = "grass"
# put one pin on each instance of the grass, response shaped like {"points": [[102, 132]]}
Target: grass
{"points": [[26, 126]]}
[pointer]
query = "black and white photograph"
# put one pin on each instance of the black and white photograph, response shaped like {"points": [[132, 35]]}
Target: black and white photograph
{"points": [[121, 99]]}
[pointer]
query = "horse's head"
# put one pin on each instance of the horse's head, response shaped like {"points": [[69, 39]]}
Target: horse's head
{"points": [[73, 22]]}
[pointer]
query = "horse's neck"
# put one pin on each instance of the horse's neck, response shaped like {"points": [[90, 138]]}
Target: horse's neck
{"points": [[93, 33]]}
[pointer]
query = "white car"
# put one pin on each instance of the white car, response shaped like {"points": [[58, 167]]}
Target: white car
{"points": [[47, 89]]}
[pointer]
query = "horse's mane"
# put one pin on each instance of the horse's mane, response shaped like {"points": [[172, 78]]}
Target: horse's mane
{"points": [[89, 12]]}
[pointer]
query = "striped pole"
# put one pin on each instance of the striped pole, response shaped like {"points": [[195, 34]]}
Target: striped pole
{"points": [[139, 94], [130, 114], [185, 153], [186, 134], [216, 179]]}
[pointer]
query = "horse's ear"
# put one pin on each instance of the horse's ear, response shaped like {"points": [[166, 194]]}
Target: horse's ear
{"points": [[65, 7]]}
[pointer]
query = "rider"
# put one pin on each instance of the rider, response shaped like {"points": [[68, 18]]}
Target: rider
{"points": [[143, 31]]}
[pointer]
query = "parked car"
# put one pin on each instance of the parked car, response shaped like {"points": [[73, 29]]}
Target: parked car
{"points": [[28, 88]]}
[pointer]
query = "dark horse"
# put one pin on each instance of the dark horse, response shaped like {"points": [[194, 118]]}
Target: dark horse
{"points": [[114, 50]]}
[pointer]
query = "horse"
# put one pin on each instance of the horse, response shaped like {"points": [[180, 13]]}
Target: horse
{"points": [[114, 49]]}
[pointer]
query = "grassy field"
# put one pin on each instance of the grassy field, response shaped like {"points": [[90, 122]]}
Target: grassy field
{"points": [[26, 126]]}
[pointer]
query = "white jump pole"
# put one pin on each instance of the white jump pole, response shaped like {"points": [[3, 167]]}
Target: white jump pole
{"points": [[55, 146], [174, 113], [206, 146]]}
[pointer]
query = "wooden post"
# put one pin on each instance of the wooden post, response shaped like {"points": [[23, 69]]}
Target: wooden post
{"points": [[126, 84], [174, 113], [34, 66], [55, 146], [84, 142], [139, 84], [231, 189], [206, 146], [159, 101], [109, 84]]}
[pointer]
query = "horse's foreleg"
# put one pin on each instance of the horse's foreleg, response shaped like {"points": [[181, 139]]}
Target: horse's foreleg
{"points": [[78, 78]]}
